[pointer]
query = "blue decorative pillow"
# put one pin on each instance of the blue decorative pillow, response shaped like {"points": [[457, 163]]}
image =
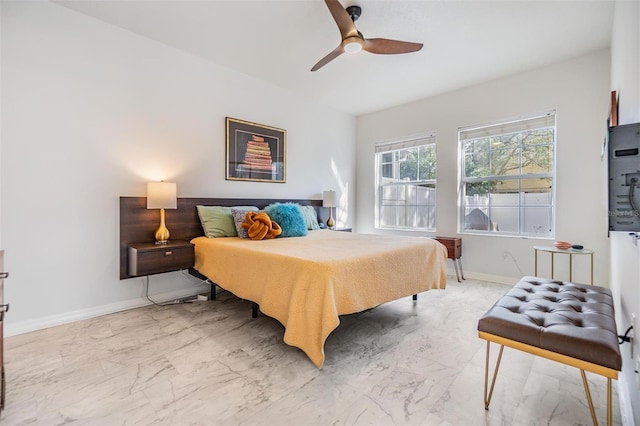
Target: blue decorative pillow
{"points": [[289, 217]]}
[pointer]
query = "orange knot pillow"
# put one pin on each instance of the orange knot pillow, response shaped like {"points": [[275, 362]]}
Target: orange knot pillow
{"points": [[259, 226]]}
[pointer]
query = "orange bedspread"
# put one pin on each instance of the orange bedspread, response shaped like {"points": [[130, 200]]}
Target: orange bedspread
{"points": [[307, 282]]}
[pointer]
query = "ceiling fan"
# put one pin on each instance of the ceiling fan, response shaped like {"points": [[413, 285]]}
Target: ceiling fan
{"points": [[353, 41]]}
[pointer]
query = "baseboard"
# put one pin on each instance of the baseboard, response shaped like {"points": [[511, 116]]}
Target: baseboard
{"points": [[28, 326], [493, 278], [624, 400]]}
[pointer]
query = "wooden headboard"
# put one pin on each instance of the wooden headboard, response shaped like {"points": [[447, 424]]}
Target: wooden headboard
{"points": [[138, 225]]}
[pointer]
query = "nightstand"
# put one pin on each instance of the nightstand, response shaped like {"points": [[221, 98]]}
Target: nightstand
{"points": [[454, 252], [152, 258]]}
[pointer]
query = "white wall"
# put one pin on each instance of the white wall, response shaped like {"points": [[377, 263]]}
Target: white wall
{"points": [[0, 133], [92, 112], [579, 90], [625, 60], [625, 80]]}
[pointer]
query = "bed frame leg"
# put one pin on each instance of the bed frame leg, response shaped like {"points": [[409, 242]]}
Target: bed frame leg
{"points": [[254, 310], [212, 285], [415, 297]]}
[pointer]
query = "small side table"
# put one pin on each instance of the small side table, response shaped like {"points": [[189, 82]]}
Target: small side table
{"points": [[571, 252], [151, 258], [454, 252]]}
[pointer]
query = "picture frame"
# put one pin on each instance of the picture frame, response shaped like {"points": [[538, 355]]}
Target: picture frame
{"points": [[613, 114], [255, 152]]}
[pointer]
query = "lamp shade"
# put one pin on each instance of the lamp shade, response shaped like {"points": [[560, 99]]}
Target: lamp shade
{"points": [[162, 195], [329, 199]]}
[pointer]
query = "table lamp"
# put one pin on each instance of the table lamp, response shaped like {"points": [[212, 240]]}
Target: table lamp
{"points": [[162, 195], [329, 200]]}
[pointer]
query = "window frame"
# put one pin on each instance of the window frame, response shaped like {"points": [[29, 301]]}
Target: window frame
{"points": [[390, 146], [523, 124]]}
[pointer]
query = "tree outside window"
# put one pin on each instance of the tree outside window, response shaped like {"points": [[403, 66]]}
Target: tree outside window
{"points": [[507, 177], [406, 196]]}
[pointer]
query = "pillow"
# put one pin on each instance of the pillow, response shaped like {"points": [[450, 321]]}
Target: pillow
{"points": [[259, 226], [217, 221], [239, 214], [310, 217], [289, 217]]}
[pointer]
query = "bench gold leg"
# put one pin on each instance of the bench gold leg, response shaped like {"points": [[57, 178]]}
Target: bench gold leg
{"points": [[581, 365], [586, 389], [487, 396], [609, 414]]}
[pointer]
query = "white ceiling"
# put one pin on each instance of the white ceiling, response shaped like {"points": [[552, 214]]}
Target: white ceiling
{"points": [[465, 42]]}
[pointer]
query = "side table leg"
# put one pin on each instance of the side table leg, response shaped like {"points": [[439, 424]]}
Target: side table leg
{"points": [[535, 262], [3, 388], [460, 266], [455, 266], [570, 267]]}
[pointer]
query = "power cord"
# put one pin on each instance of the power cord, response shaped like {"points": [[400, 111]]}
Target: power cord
{"points": [[173, 302], [205, 281], [506, 254], [200, 281], [625, 337]]}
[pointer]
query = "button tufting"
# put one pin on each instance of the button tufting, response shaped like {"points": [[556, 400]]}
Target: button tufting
{"points": [[561, 317]]}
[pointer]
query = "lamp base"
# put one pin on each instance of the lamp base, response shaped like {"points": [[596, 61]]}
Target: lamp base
{"points": [[330, 222], [162, 234]]}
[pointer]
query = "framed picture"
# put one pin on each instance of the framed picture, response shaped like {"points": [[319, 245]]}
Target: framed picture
{"points": [[255, 152]]}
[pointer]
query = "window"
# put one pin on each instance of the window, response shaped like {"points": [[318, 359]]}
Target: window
{"points": [[507, 177], [406, 184]]}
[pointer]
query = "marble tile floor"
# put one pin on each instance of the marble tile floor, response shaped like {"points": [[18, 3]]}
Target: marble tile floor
{"points": [[210, 363]]}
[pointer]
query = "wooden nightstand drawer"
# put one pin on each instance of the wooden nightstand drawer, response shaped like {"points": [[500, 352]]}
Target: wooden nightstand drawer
{"points": [[149, 258], [453, 245]]}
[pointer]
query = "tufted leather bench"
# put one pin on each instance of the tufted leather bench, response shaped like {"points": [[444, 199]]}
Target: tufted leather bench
{"points": [[566, 322]]}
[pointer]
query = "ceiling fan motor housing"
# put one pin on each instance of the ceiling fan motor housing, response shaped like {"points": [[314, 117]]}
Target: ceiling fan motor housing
{"points": [[355, 12]]}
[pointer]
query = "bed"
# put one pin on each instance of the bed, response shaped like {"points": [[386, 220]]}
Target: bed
{"points": [[307, 282]]}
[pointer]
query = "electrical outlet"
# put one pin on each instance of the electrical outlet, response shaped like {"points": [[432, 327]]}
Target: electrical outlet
{"points": [[632, 178]]}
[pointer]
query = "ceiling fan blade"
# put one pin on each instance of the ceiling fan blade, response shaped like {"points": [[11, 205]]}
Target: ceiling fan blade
{"points": [[390, 47], [345, 24], [330, 57]]}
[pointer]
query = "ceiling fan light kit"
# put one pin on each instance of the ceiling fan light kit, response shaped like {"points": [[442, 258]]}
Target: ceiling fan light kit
{"points": [[353, 41], [352, 44]]}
